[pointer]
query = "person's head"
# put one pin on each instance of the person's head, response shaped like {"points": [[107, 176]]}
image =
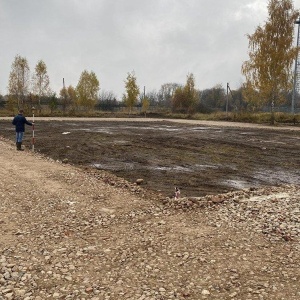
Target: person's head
{"points": [[21, 111]]}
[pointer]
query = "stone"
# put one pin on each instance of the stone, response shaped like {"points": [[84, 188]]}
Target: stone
{"points": [[139, 181], [205, 292]]}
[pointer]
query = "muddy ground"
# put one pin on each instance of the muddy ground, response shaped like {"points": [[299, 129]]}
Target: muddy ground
{"points": [[199, 159]]}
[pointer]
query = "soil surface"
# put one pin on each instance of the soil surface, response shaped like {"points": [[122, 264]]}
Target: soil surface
{"points": [[201, 158], [69, 232]]}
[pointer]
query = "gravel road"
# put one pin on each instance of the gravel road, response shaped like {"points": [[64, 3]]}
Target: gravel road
{"points": [[69, 233]]}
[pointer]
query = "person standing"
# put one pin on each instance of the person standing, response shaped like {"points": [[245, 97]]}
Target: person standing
{"points": [[19, 121]]}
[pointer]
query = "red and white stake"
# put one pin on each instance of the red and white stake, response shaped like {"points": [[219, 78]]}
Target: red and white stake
{"points": [[33, 129]]}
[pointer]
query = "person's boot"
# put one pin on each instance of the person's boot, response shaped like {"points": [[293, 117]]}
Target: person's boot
{"points": [[19, 146]]}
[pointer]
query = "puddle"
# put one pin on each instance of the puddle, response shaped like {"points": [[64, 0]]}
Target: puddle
{"points": [[237, 184], [99, 129], [204, 167], [275, 177], [171, 169], [119, 166], [204, 128], [247, 133], [264, 177], [164, 128], [122, 166]]}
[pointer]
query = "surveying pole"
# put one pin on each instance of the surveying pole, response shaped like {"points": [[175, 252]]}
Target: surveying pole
{"points": [[33, 109], [296, 71]]}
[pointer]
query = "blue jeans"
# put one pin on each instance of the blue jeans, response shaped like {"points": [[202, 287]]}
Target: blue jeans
{"points": [[19, 136]]}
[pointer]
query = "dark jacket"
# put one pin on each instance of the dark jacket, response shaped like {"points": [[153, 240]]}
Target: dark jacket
{"points": [[19, 121]]}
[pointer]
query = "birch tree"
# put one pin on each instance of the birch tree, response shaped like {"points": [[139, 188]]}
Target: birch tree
{"points": [[132, 91], [41, 82], [268, 71], [87, 89], [185, 98], [19, 81]]}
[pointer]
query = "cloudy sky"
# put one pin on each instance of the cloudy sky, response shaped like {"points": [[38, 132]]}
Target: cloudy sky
{"points": [[160, 40]]}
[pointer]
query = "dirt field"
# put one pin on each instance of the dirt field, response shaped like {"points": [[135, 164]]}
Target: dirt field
{"points": [[200, 159], [80, 233]]}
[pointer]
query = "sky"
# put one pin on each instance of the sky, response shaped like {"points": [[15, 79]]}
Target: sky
{"points": [[161, 41]]}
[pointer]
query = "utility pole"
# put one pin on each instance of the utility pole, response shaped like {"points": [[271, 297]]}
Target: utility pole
{"points": [[296, 71], [143, 102], [65, 96], [227, 99]]}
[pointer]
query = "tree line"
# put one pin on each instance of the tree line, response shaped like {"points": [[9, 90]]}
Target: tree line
{"points": [[268, 80], [25, 91]]}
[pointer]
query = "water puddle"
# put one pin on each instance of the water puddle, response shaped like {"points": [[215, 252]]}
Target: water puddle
{"points": [[120, 166], [204, 167], [105, 130], [276, 177], [264, 177], [171, 169], [123, 166], [204, 128], [237, 184]]}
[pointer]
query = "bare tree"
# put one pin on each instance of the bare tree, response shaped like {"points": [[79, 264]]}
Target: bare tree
{"points": [[166, 93]]}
